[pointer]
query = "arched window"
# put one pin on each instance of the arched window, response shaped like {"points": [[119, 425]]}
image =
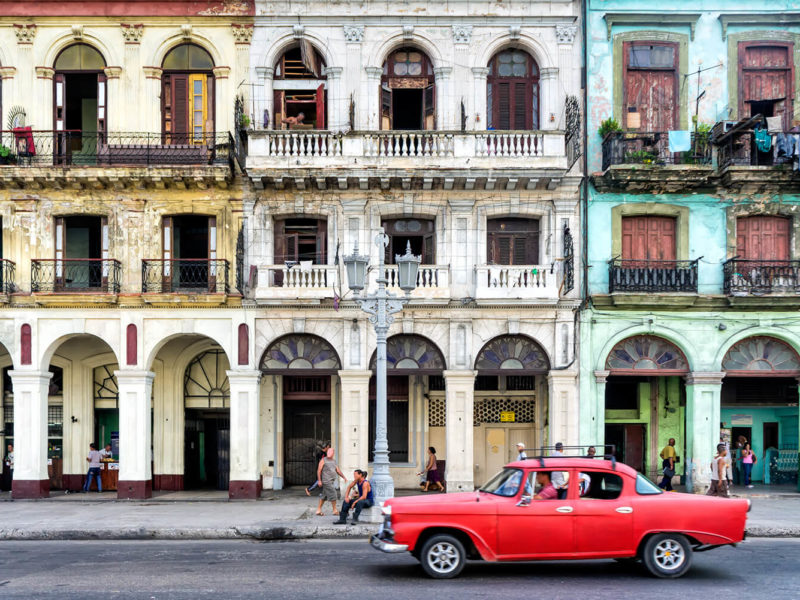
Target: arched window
{"points": [[187, 95], [513, 91], [408, 96], [646, 355], [299, 89], [79, 98]]}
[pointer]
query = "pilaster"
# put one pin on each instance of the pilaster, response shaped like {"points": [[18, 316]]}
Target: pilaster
{"points": [[354, 420], [479, 117], [135, 389], [30, 450], [460, 406], [373, 97], [563, 410], [245, 411], [266, 77], [703, 392]]}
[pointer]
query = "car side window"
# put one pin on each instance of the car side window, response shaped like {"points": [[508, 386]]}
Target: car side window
{"points": [[551, 485], [599, 485]]}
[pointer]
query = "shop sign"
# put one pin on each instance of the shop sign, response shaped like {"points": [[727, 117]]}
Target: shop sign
{"points": [[741, 419], [508, 416]]}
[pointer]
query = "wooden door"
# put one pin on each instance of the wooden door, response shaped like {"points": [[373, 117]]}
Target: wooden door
{"points": [[496, 450], [766, 73], [429, 108], [198, 107], [634, 446], [176, 115], [648, 238], [104, 264], [513, 242], [511, 105], [386, 107], [762, 238], [320, 98], [651, 85]]}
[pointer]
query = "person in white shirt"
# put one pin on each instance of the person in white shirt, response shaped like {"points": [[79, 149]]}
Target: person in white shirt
{"points": [[106, 452], [558, 478], [521, 450], [93, 458]]}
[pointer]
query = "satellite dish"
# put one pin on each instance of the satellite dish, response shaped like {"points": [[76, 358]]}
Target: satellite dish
{"points": [[16, 117]]}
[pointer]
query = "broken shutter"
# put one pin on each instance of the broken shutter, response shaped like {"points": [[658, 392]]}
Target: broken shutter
{"points": [[648, 238], [166, 253], [765, 75], [762, 238], [386, 106], [429, 123], [212, 254], [322, 237], [60, 246], [651, 85], [101, 108], [320, 107], [180, 105], [278, 109]]}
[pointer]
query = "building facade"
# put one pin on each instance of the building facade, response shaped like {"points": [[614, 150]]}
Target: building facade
{"points": [[691, 331]]}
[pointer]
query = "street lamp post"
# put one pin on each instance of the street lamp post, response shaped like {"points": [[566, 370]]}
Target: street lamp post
{"points": [[381, 305]]}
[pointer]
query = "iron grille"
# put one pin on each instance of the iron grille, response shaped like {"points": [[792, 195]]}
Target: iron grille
{"points": [[8, 273], [569, 261], [573, 131], [66, 275], [652, 148], [186, 275], [757, 277], [652, 276]]}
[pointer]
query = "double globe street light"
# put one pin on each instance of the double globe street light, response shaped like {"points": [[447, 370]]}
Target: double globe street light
{"points": [[381, 305]]}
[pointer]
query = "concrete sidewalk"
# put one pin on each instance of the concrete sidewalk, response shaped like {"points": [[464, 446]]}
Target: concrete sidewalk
{"points": [[286, 514]]}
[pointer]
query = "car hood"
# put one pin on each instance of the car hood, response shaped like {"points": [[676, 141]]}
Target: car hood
{"points": [[428, 500]]}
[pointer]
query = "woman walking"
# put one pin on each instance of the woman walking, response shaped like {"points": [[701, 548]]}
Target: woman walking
{"points": [[719, 483], [748, 460], [327, 472], [431, 471]]}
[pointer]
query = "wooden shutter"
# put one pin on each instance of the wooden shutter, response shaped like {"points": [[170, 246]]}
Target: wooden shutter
{"points": [[653, 93], [166, 252], [521, 110], [429, 249], [278, 108], [429, 101], [212, 254], [320, 107], [502, 105], [180, 107], [386, 107], [101, 107], [322, 239], [762, 238], [104, 250], [198, 107], [59, 100], [765, 74], [60, 247], [648, 238]]}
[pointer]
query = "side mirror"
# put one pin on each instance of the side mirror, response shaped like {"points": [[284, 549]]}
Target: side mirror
{"points": [[524, 501]]}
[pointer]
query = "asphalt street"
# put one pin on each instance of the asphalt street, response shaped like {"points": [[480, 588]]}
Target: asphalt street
{"points": [[160, 570]]}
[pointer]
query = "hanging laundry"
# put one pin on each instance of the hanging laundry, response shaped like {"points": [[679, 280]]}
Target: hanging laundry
{"points": [[680, 141], [763, 139]]}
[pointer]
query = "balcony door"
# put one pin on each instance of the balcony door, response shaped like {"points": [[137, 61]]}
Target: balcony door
{"points": [[408, 96], [420, 233], [513, 91], [299, 88], [763, 238], [81, 252], [648, 238], [650, 86], [187, 95], [189, 250], [766, 79], [512, 241]]}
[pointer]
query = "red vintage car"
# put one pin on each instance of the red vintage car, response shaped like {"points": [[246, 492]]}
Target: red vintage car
{"points": [[558, 508]]}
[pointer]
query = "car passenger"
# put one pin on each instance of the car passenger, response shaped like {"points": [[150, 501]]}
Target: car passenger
{"points": [[548, 491]]}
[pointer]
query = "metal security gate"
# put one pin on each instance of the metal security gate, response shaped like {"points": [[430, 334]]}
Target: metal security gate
{"points": [[307, 426]]}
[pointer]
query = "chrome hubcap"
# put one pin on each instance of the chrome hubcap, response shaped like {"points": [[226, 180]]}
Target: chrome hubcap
{"points": [[443, 557], [669, 555]]}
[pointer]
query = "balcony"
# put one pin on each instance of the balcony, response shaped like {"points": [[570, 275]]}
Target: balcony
{"points": [[63, 159], [433, 283], [521, 283], [407, 159], [761, 277], [185, 276], [290, 281], [8, 271], [75, 276], [652, 276]]}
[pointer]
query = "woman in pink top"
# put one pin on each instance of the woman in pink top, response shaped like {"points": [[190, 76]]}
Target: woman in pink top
{"points": [[748, 460]]}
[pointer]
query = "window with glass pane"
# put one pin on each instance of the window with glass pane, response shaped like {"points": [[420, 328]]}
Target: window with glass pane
{"points": [[651, 57]]}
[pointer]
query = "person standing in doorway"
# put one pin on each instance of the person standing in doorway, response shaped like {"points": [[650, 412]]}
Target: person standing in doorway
{"points": [[93, 458], [748, 460], [668, 456], [521, 451], [8, 468], [432, 474], [327, 472], [719, 484]]}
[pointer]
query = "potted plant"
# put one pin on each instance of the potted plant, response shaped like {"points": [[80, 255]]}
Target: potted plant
{"points": [[613, 144], [610, 125], [6, 155]]}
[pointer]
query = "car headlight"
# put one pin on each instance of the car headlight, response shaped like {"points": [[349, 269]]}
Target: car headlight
{"points": [[386, 509]]}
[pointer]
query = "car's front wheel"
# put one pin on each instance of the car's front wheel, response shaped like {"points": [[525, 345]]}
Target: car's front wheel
{"points": [[442, 556], [667, 555]]}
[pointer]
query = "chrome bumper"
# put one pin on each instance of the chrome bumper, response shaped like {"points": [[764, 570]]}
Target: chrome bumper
{"points": [[386, 546]]}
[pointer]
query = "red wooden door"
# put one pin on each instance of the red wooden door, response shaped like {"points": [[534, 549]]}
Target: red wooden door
{"points": [[634, 446], [762, 238], [766, 74], [320, 98], [648, 238], [651, 85]]}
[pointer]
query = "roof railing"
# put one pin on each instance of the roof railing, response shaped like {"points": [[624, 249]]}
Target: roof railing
{"points": [[608, 452]]}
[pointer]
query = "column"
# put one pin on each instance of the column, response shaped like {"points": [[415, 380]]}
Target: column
{"points": [[548, 98], [460, 404], [480, 117], [703, 391], [30, 434], [152, 118], [223, 100], [267, 102], [373, 97], [43, 91], [336, 119], [135, 389], [353, 452], [445, 104], [7, 75], [116, 114], [596, 432], [563, 410], [245, 470]]}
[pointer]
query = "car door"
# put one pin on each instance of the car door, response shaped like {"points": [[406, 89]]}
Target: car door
{"points": [[528, 528], [604, 513]]}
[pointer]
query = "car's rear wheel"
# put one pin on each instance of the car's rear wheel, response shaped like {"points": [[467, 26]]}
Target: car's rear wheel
{"points": [[667, 555], [442, 556]]}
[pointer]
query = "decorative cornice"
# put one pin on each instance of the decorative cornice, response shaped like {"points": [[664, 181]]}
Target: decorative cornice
{"points": [[25, 33], [7, 72], [759, 19], [45, 72], [132, 34], [353, 34], [152, 72], [462, 34], [186, 31], [565, 34], [675, 19], [242, 34], [221, 72], [709, 378], [442, 72], [113, 72]]}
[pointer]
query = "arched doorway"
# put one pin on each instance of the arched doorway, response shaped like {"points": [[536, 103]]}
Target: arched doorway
{"points": [[645, 401], [512, 91], [206, 397], [510, 400], [759, 403], [299, 87], [414, 368], [408, 93], [187, 95], [307, 366]]}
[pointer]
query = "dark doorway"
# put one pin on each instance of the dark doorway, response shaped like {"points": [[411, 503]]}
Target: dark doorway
{"points": [[207, 450], [81, 101], [629, 443], [306, 426], [407, 109], [83, 237], [420, 233], [191, 236], [746, 432], [770, 435]]}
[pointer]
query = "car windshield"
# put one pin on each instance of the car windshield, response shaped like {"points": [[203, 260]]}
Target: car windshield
{"points": [[646, 487], [505, 483]]}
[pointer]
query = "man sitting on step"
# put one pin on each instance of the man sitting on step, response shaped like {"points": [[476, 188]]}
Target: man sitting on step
{"points": [[360, 498]]}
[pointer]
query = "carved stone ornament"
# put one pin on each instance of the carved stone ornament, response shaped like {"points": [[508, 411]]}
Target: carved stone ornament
{"points": [[222, 72], [462, 34], [298, 31], [132, 34], [565, 34], [25, 33], [353, 33], [186, 31], [77, 31], [514, 32], [113, 72], [408, 32], [242, 34]]}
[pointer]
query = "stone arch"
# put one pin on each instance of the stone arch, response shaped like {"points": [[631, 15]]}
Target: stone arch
{"points": [[300, 353], [646, 355], [505, 353], [778, 333], [668, 334], [151, 353], [89, 38], [171, 42], [527, 42], [759, 355], [380, 53], [51, 348], [287, 41], [411, 354]]}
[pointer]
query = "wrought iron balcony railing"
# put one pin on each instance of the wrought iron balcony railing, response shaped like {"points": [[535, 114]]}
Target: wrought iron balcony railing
{"points": [[744, 277], [23, 147], [652, 276], [68, 275], [652, 148], [8, 273], [185, 275]]}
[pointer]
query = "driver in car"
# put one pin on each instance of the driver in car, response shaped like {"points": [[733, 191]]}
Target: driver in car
{"points": [[548, 491]]}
